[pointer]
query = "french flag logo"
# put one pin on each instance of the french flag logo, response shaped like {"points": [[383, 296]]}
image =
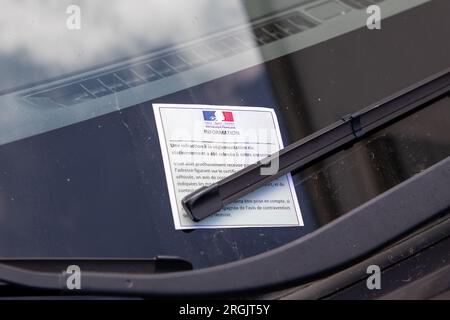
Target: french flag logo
{"points": [[223, 116]]}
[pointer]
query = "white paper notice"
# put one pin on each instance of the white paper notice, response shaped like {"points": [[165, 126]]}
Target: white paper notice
{"points": [[202, 144]]}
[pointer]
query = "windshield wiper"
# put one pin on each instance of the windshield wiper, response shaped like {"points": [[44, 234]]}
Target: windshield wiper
{"points": [[208, 200]]}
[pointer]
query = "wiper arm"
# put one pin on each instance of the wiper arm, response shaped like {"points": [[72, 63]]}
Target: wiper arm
{"points": [[208, 200]]}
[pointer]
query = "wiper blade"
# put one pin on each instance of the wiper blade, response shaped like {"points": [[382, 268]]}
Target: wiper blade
{"points": [[210, 199]]}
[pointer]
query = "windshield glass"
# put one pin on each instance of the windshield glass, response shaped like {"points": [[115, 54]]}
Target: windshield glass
{"points": [[81, 171], [126, 53]]}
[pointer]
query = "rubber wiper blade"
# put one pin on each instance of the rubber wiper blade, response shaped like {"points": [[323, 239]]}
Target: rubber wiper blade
{"points": [[210, 199]]}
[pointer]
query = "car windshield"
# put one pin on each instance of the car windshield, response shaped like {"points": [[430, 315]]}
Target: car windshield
{"points": [[81, 170]]}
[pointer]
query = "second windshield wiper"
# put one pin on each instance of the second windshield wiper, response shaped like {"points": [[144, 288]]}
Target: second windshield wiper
{"points": [[208, 200]]}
